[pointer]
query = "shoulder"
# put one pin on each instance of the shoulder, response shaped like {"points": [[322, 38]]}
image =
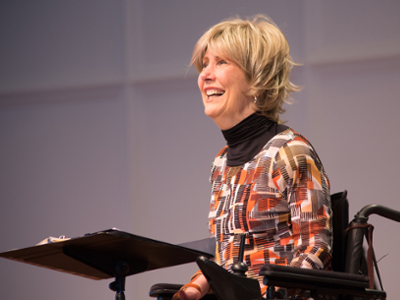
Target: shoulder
{"points": [[222, 152], [218, 163], [300, 146], [296, 160], [278, 142], [221, 156], [282, 138], [287, 147], [291, 140]]}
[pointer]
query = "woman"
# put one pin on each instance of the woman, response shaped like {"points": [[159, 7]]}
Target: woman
{"points": [[268, 182]]}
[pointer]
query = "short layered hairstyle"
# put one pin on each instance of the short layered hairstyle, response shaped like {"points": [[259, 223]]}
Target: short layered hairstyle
{"points": [[261, 50]]}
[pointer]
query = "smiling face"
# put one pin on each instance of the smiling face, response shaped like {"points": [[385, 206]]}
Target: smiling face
{"points": [[224, 90]]}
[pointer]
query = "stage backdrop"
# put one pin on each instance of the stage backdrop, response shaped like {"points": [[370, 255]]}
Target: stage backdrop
{"points": [[102, 125]]}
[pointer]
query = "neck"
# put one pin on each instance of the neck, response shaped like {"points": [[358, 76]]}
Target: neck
{"points": [[247, 138]]}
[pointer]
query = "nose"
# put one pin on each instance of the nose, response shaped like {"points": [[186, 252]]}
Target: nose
{"points": [[207, 74]]}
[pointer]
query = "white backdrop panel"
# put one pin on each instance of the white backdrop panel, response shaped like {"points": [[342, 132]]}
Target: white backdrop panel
{"points": [[162, 47], [63, 172], [351, 30], [53, 44]]}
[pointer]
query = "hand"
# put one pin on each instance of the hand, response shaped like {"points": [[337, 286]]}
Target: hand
{"points": [[194, 290], [189, 293]]}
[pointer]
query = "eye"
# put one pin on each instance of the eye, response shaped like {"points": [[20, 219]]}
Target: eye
{"points": [[222, 62]]}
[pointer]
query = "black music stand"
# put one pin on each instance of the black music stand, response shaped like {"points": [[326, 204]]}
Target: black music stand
{"points": [[111, 253]]}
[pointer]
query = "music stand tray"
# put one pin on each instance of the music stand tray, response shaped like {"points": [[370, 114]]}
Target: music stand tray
{"points": [[110, 253]]}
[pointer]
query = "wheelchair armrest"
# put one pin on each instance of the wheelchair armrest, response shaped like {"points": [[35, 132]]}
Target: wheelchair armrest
{"points": [[319, 282], [310, 278], [164, 290]]}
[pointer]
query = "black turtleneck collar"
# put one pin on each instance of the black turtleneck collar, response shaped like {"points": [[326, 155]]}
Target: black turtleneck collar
{"points": [[247, 138]]}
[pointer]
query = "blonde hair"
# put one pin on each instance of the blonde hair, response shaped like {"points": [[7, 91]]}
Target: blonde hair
{"points": [[261, 50]]}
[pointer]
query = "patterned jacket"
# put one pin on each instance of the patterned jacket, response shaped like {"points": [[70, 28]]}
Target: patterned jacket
{"points": [[280, 199]]}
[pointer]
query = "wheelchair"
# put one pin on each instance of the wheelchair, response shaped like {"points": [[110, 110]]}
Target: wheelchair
{"points": [[351, 277]]}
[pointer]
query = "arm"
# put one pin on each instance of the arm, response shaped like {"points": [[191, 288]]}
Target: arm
{"points": [[299, 174], [192, 293]]}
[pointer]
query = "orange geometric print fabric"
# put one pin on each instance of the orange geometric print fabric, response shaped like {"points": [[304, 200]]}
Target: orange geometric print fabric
{"points": [[280, 200]]}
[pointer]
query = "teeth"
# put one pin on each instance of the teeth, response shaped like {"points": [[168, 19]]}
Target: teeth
{"points": [[212, 92]]}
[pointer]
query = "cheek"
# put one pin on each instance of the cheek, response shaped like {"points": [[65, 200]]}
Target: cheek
{"points": [[200, 83], [243, 85], [237, 99]]}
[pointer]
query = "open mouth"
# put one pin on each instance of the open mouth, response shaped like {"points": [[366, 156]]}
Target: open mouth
{"points": [[214, 93]]}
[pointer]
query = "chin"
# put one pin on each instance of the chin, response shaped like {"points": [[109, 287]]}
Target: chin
{"points": [[210, 112], [213, 109]]}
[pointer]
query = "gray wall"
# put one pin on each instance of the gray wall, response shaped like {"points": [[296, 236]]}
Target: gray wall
{"points": [[101, 123]]}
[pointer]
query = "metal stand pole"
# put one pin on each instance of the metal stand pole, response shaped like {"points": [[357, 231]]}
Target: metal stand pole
{"points": [[118, 286]]}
